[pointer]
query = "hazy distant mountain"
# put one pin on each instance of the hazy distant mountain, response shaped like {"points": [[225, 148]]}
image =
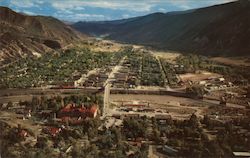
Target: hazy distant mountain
{"points": [[216, 30], [22, 35]]}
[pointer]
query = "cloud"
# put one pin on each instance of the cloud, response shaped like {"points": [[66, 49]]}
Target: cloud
{"points": [[23, 3], [162, 10], [125, 16], [182, 4], [74, 10], [89, 15], [80, 17], [29, 12], [65, 12], [129, 5], [40, 2], [191, 4], [79, 8], [66, 5], [138, 6]]}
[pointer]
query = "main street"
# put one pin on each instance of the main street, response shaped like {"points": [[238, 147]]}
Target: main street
{"points": [[107, 86]]}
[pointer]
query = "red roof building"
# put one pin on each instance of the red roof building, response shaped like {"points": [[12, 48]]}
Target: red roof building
{"points": [[53, 131], [23, 133], [71, 110]]}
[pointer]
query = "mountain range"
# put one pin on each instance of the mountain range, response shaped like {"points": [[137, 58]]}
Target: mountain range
{"points": [[22, 35], [217, 30], [220, 30]]}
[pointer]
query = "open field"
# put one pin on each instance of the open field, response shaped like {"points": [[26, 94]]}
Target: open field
{"points": [[106, 46], [232, 61], [198, 76], [169, 56]]}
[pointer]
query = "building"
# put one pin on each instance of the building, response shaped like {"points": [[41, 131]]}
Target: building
{"points": [[23, 133], [135, 105], [132, 116], [71, 110], [53, 131], [162, 119], [220, 79], [121, 76]]}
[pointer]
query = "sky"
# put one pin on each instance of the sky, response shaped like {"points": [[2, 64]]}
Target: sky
{"points": [[101, 10]]}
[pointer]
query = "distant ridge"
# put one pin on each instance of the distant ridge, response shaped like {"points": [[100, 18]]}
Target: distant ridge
{"points": [[217, 30], [22, 35]]}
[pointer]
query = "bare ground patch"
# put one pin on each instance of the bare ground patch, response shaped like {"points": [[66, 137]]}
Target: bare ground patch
{"points": [[202, 75], [233, 61]]}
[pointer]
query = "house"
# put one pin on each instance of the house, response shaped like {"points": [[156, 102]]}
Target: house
{"points": [[45, 114], [162, 119], [179, 69], [53, 131], [202, 82], [117, 116], [220, 79], [23, 133], [131, 115]]}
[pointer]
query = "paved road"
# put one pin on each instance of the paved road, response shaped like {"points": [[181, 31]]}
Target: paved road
{"points": [[106, 99], [151, 153], [107, 86]]}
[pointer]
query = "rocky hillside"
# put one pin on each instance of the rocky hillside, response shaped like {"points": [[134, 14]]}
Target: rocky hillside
{"points": [[22, 35], [216, 30]]}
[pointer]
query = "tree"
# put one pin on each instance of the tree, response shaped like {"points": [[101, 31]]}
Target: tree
{"points": [[106, 142], [44, 104], [76, 151], [41, 142], [207, 121], [90, 151], [9, 104], [215, 149], [117, 135], [35, 102], [134, 128], [248, 92], [193, 121], [196, 90], [157, 135]]}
